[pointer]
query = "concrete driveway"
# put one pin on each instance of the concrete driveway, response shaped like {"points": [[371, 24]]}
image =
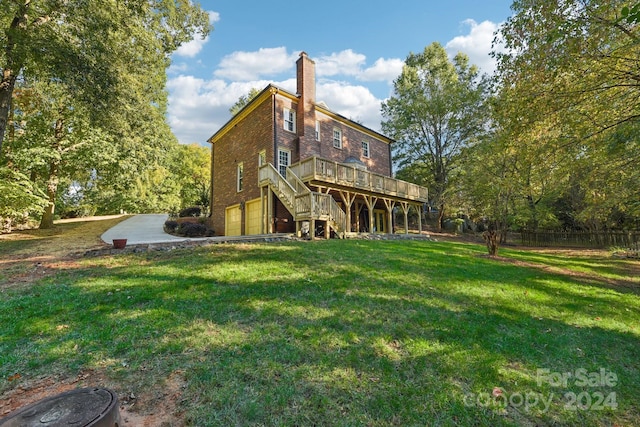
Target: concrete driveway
{"points": [[142, 229]]}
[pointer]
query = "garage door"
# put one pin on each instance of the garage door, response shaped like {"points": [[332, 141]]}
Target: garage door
{"points": [[253, 217], [233, 221]]}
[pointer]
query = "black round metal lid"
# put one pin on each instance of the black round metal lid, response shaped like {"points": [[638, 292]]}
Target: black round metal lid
{"points": [[78, 408]]}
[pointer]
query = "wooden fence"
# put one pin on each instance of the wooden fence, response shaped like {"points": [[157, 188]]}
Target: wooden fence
{"points": [[583, 239]]}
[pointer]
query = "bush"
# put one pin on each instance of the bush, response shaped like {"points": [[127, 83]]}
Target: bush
{"points": [[192, 211], [79, 211], [170, 226], [190, 229]]}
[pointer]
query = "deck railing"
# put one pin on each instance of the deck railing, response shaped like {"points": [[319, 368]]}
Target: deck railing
{"points": [[301, 202], [319, 169], [286, 192]]}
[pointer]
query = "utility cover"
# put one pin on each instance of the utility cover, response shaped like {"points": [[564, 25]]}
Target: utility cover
{"points": [[84, 407]]}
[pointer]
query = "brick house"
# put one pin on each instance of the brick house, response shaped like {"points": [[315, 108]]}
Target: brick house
{"points": [[286, 163]]}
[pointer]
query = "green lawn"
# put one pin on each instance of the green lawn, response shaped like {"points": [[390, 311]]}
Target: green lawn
{"points": [[349, 333]]}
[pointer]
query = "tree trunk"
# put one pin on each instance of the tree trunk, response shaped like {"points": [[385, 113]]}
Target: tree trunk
{"points": [[52, 187], [54, 178], [533, 221], [440, 216], [6, 92], [11, 68], [491, 238]]}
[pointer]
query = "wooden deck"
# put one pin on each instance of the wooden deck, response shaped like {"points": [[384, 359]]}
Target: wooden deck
{"points": [[346, 177], [311, 187]]}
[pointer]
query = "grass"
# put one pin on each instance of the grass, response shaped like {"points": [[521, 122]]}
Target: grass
{"points": [[349, 333]]}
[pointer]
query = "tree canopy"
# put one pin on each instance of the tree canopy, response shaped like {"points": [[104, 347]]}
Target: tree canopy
{"points": [[90, 46], [83, 99], [570, 89], [435, 111], [554, 144]]}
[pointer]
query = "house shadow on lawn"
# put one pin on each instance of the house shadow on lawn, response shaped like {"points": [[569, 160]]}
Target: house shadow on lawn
{"points": [[368, 333]]}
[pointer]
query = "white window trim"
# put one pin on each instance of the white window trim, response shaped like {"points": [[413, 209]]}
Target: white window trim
{"points": [[283, 150], [262, 158], [289, 114], [317, 130], [366, 153], [239, 177], [339, 146]]}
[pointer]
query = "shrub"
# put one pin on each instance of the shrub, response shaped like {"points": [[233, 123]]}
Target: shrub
{"points": [[170, 226], [78, 211], [190, 229], [192, 211]]}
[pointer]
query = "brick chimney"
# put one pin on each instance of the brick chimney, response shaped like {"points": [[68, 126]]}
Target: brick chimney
{"points": [[306, 114]]}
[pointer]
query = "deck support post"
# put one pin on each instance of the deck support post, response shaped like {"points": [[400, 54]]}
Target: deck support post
{"points": [[405, 210], [389, 204], [269, 211], [262, 211], [347, 199], [370, 201]]}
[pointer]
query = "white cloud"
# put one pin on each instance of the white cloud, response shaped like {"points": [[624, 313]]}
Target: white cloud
{"points": [[246, 66], [476, 45], [354, 102], [350, 63], [177, 68], [346, 62], [192, 48], [383, 70], [198, 107], [213, 17]]}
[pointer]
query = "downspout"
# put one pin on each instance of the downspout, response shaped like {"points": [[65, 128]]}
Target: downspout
{"points": [[270, 204], [211, 180], [275, 139], [390, 162]]}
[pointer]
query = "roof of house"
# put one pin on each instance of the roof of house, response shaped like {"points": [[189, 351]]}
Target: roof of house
{"points": [[320, 106]]}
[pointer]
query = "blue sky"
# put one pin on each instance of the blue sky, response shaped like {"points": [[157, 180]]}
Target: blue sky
{"points": [[358, 46]]}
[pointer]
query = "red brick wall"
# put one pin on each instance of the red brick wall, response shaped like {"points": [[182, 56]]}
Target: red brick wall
{"points": [[284, 138], [256, 132], [378, 161], [243, 143]]}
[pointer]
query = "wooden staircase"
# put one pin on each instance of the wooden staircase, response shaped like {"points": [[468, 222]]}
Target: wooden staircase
{"points": [[302, 203]]}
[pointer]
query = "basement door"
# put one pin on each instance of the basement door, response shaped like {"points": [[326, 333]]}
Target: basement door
{"points": [[380, 221], [233, 221]]}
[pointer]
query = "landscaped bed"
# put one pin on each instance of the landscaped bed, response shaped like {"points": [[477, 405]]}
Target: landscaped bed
{"points": [[353, 332]]}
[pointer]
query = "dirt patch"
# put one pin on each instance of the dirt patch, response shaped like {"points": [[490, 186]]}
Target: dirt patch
{"points": [[152, 408], [29, 255]]}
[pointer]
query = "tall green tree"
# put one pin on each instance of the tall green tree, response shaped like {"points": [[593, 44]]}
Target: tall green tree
{"points": [[191, 169], [53, 138], [570, 68], [89, 45], [434, 112]]}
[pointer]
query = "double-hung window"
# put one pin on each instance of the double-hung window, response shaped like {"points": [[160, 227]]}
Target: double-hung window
{"points": [[337, 138], [365, 149], [317, 130], [240, 176], [284, 160], [289, 120]]}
